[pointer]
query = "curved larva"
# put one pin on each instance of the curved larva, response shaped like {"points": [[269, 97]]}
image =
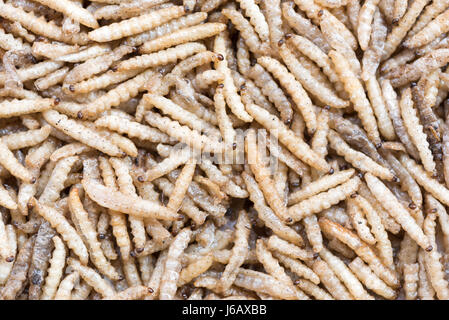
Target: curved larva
{"points": [[92, 278], [55, 184], [60, 223], [66, 286], [366, 16], [395, 208], [170, 276], [72, 10], [54, 275], [256, 18], [246, 31], [358, 159], [415, 130], [233, 99], [119, 94], [239, 252], [80, 215], [293, 87], [311, 84], [434, 267], [9, 42]]}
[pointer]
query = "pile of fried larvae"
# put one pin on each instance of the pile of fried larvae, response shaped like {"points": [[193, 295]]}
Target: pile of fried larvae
{"points": [[219, 149]]}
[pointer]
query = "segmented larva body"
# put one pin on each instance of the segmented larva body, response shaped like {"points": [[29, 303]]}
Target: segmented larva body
{"points": [[135, 25], [163, 57], [172, 269], [39, 25]]}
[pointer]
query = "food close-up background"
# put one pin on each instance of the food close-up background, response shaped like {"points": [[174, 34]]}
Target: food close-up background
{"points": [[221, 149]]}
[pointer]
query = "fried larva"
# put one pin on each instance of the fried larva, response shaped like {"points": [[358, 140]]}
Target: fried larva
{"points": [[73, 11], [184, 134], [323, 200], [262, 175], [399, 31], [125, 9], [60, 223], [39, 25], [322, 93], [413, 71], [131, 128], [147, 136], [56, 181], [54, 276], [434, 268], [39, 259], [118, 201], [135, 25], [189, 34], [293, 87], [66, 286], [267, 215], [362, 249], [233, 100], [365, 19], [373, 54], [261, 282], [271, 89], [92, 278], [295, 144], [411, 272], [432, 30], [415, 130], [96, 65], [377, 102], [356, 94], [370, 280], [19, 271], [183, 116], [170, 276], [80, 216], [432, 186], [383, 244], [179, 23], [10, 163], [345, 275], [359, 222], [330, 280], [132, 293], [357, 159], [425, 289], [401, 215], [392, 103], [81, 133], [324, 183], [297, 267], [239, 252], [114, 97]]}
